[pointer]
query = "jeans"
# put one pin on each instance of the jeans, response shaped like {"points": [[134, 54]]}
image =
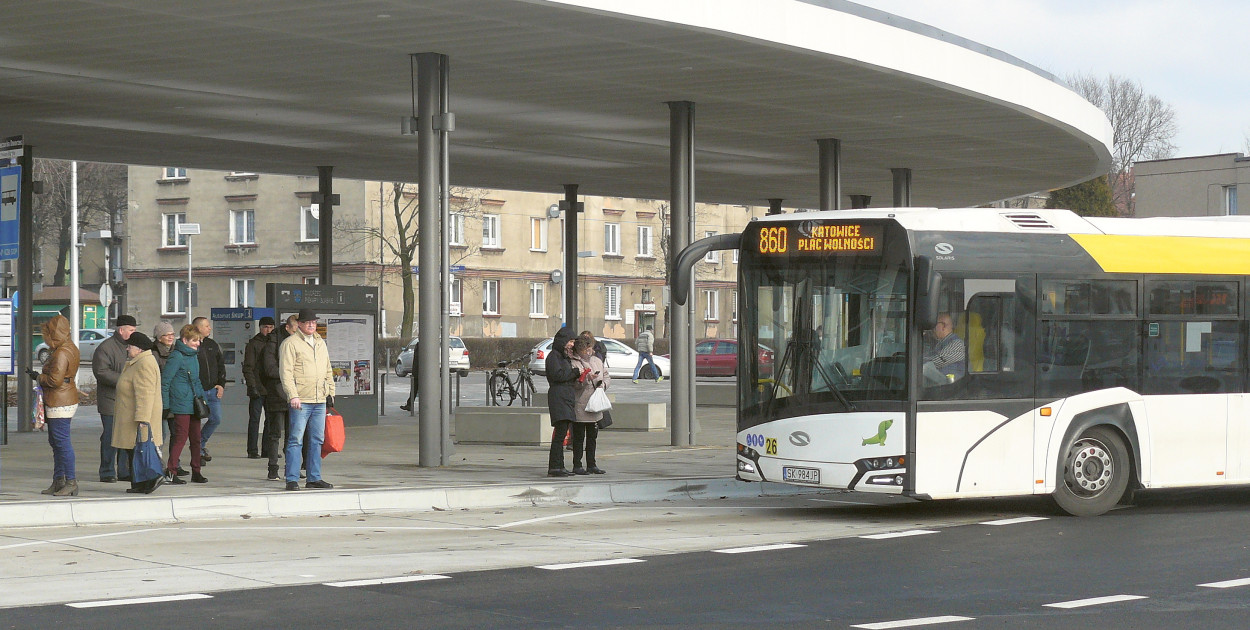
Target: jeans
{"points": [[214, 417], [62, 449], [555, 459], [313, 418], [255, 406], [113, 463], [645, 356]]}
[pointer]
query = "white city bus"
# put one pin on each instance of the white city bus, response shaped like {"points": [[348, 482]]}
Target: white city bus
{"points": [[1094, 356]]}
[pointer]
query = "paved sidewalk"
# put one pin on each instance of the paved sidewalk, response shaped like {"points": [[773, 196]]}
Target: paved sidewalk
{"points": [[377, 471]]}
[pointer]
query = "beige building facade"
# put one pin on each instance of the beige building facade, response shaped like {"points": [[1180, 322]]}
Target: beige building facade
{"points": [[506, 248], [1201, 186]]}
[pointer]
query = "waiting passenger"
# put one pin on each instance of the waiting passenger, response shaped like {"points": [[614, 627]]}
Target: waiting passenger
{"points": [[945, 361]]}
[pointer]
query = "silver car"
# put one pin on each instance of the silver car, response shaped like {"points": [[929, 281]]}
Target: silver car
{"points": [[621, 360], [457, 357], [88, 339]]}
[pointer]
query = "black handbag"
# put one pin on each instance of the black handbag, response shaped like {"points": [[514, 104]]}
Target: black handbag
{"points": [[606, 420], [199, 406]]}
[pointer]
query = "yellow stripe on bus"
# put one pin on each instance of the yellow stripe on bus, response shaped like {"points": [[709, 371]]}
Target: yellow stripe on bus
{"points": [[1167, 254]]}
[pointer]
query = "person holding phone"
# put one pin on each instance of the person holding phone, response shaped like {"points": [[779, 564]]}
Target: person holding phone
{"points": [[592, 376]]}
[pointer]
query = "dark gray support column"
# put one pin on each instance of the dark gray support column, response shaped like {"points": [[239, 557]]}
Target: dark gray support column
{"points": [[681, 176], [326, 200], [859, 202], [26, 291], [445, 127], [902, 187], [830, 173], [570, 208], [774, 205], [428, 302]]}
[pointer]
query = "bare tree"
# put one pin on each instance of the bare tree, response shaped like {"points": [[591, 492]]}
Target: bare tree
{"points": [[667, 250], [101, 192], [399, 236], [1142, 128]]}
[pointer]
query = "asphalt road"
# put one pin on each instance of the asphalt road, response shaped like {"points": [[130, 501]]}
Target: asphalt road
{"points": [[1175, 559]]}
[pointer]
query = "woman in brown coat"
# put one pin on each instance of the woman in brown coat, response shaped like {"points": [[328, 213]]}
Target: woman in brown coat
{"points": [[593, 376], [60, 401], [138, 404]]}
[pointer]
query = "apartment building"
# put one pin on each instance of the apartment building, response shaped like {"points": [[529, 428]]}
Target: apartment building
{"points": [[1200, 186], [506, 249]]}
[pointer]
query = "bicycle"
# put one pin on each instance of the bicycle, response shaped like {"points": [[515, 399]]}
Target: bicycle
{"points": [[501, 387]]}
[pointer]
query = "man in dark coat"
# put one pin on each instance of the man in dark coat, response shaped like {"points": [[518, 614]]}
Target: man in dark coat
{"points": [[561, 398], [276, 405], [213, 378], [255, 389], [106, 365]]}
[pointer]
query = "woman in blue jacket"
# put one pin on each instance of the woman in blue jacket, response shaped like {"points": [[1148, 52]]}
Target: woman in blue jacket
{"points": [[180, 380]]}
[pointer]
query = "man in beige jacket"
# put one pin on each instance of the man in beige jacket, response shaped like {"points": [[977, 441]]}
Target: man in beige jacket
{"points": [[308, 379]]}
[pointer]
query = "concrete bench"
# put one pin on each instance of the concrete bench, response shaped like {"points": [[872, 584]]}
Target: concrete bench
{"points": [[637, 416], [716, 394], [525, 426], [540, 399]]}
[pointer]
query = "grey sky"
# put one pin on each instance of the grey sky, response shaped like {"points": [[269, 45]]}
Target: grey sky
{"points": [[1192, 53]]}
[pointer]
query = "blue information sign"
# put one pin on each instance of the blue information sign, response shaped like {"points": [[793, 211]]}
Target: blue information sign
{"points": [[10, 200]]}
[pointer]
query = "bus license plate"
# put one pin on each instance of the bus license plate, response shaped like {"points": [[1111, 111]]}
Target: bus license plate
{"points": [[800, 475]]}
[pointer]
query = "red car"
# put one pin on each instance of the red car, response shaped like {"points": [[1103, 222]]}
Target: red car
{"points": [[719, 357]]}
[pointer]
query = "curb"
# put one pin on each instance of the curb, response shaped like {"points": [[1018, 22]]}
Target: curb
{"points": [[344, 502]]}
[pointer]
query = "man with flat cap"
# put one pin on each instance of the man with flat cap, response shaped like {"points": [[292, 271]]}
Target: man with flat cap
{"points": [[106, 365], [255, 387], [308, 380]]}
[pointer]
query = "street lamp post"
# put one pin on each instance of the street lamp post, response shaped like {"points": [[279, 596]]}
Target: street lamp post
{"points": [[187, 230]]}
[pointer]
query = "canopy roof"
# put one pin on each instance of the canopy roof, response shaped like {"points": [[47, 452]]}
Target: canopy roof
{"points": [[546, 93]]}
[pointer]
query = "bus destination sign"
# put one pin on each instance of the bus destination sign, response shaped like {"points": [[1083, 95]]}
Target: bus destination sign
{"points": [[811, 237]]}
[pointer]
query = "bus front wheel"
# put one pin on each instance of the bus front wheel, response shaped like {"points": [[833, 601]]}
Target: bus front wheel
{"points": [[1096, 472]]}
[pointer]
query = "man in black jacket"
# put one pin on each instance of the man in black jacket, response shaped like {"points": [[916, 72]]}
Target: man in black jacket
{"points": [[255, 388], [276, 404], [213, 378], [561, 398]]}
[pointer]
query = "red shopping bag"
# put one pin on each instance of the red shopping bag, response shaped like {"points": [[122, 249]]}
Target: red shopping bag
{"points": [[336, 435]]}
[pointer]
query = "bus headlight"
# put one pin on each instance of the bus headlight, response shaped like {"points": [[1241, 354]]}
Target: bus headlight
{"points": [[746, 467], [881, 463], [885, 480]]}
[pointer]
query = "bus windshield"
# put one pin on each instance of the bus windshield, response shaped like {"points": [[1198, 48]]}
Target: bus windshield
{"points": [[837, 330]]}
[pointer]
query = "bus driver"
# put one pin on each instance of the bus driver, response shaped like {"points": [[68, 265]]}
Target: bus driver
{"points": [[945, 360]]}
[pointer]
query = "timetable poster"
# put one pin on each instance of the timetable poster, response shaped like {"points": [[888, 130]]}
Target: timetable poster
{"points": [[349, 338]]}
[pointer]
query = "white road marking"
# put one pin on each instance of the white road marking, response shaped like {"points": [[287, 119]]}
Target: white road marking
{"points": [[910, 623], [363, 528], [74, 539], [1227, 584], [593, 563], [843, 502], [139, 600], [1095, 601], [551, 518], [1014, 521], [759, 548], [390, 580], [910, 532]]}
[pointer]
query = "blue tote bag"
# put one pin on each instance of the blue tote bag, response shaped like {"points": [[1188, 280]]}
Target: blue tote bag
{"points": [[146, 464]]}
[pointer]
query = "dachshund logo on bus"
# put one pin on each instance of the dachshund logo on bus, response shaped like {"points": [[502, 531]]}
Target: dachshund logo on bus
{"points": [[879, 438]]}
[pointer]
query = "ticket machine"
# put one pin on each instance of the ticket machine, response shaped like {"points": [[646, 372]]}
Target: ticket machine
{"points": [[233, 328]]}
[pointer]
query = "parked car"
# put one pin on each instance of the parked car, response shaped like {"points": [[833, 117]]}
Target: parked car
{"points": [[621, 359], [457, 357], [88, 339], [719, 357]]}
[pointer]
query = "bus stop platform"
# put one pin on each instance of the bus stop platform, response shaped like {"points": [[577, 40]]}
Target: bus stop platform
{"points": [[376, 472]]}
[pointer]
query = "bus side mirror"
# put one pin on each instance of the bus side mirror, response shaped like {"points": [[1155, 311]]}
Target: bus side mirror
{"points": [[928, 287]]}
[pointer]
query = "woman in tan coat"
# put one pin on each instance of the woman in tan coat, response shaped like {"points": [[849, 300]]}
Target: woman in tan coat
{"points": [[60, 401], [138, 404], [593, 376]]}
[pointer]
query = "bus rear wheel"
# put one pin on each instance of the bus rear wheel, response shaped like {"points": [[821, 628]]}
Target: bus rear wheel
{"points": [[1096, 472]]}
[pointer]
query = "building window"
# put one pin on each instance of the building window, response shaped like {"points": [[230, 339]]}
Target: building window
{"points": [[173, 172], [456, 229], [242, 293], [733, 306], [312, 280], [611, 301], [735, 256], [714, 255], [242, 227], [646, 296], [490, 297], [644, 242], [490, 230], [538, 234], [453, 298], [174, 297], [711, 305], [309, 224], [171, 223], [538, 304], [611, 239], [1230, 200]]}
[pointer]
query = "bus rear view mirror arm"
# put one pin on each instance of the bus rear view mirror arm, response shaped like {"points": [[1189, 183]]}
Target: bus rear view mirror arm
{"points": [[683, 266]]}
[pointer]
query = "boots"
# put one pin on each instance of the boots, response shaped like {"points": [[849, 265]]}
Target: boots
{"points": [[57, 484], [70, 489]]}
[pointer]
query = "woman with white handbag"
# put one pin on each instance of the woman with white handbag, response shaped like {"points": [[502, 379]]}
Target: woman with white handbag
{"points": [[592, 401]]}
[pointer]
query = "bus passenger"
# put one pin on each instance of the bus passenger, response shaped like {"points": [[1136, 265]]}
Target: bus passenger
{"points": [[945, 360]]}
